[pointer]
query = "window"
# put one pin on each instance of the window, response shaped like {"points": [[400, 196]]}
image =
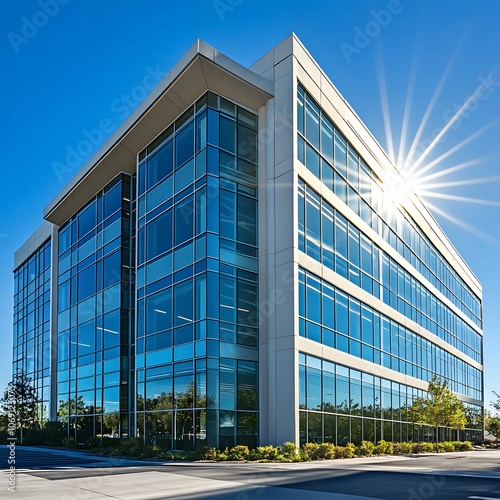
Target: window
{"points": [[184, 220], [160, 165], [112, 269], [159, 312], [227, 138], [247, 385], [354, 319], [184, 144], [340, 235], [159, 235], [227, 384], [313, 224], [341, 313], [327, 139], [86, 283], [247, 220], [314, 391], [313, 299], [312, 123], [228, 224], [247, 144], [247, 312], [87, 219], [340, 154], [228, 299], [183, 303]]}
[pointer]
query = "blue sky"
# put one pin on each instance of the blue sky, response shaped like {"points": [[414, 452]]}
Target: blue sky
{"points": [[72, 67]]}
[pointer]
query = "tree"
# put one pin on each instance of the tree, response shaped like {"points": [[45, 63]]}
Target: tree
{"points": [[21, 400], [412, 414], [75, 406], [496, 404], [441, 408], [492, 425]]}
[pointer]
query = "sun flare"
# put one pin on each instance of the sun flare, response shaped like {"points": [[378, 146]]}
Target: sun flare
{"points": [[419, 171]]}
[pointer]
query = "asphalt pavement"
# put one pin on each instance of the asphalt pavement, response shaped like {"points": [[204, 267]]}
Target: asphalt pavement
{"points": [[45, 473]]}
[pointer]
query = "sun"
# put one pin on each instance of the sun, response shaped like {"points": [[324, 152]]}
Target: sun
{"points": [[397, 187], [417, 171]]}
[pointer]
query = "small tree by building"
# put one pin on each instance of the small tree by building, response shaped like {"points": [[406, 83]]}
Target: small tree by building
{"points": [[492, 425], [21, 400], [441, 408], [496, 404]]}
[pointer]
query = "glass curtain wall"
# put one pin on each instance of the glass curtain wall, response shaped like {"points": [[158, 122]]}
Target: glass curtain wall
{"points": [[197, 282], [342, 405], [32, 324], [95, 303], [328, 155]]}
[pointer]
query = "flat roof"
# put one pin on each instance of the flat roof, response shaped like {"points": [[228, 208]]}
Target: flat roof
{"points": [[33, 243]]}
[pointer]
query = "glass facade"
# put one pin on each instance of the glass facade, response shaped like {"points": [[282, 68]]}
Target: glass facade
{"points": [[326, 153], [339, 405], [31, 353], [333, 318], [328, 237], [197, 282], [95, 308]]}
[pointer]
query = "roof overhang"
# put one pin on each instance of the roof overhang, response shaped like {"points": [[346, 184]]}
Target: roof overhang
{"points": [[202, 68]]}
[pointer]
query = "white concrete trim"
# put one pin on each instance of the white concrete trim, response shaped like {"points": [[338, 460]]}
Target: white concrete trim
{"points": [[307, 346], [312, 181], [368, 299]]}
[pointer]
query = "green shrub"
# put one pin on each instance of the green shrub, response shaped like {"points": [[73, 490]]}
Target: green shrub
{"points": [[347, 451], [326, 451], [446, 446], [402, 448], [265, 453], [206, 453], [416, 448], [309, 450], [290, 450], [108, 442], [51, 434], [238, 453], [383, 448], [92, 443], [427, 447], [149, 451], [465, 446], [365, 449], [315, 451], [69, 442], [130, 446]]}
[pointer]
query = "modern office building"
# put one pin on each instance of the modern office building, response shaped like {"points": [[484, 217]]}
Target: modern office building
{"points": [[232, 267]]}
